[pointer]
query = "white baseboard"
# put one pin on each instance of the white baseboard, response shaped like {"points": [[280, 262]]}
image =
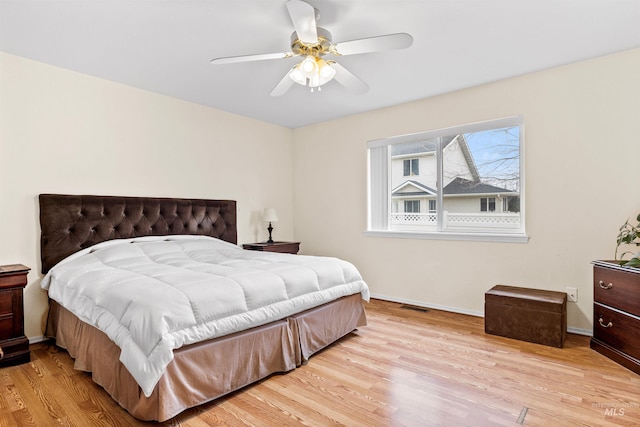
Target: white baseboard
{"points": [[577, 331], [34, 340], [571, 330], [586, 332], [433, 306]]}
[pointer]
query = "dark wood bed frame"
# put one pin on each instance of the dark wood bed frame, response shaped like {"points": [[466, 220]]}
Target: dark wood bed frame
{"points": [[70, 223]]}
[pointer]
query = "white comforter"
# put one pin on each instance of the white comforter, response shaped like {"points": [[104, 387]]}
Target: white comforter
{"points": [[154, 294]]}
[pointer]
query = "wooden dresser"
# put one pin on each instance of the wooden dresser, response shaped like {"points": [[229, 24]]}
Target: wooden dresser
{"points": [[616, 313], [15, 346]]}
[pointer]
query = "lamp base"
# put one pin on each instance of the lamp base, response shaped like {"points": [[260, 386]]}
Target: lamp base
{"points": [[270, 228]]}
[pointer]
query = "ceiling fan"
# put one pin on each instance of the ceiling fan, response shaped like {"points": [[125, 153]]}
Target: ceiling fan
{"points": [[313, 43]]}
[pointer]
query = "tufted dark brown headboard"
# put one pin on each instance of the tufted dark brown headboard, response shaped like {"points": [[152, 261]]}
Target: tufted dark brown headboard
{"points": [[70, 223]]}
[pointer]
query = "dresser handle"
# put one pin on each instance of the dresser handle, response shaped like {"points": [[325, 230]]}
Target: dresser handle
{"points": [[608, 325], [603, 286]]}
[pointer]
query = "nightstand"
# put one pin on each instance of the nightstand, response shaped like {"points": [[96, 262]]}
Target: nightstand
{"points": [[15, 346], [283, 247]]}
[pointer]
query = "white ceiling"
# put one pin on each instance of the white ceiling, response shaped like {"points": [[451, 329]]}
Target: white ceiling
{"points": [[165, 46]]}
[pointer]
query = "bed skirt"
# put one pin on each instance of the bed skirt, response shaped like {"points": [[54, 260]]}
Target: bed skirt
{"points": [[205, 371]]}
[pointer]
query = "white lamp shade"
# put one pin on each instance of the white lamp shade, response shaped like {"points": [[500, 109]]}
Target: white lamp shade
{"points": [[269, 215]]}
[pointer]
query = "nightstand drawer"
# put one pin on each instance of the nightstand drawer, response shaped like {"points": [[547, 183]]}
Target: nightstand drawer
{"points": [[6, 327], [12, 281], [6, 302]]}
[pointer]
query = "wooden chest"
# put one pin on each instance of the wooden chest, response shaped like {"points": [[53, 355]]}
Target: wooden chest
{"points": [[525, 314], [616, 313]]}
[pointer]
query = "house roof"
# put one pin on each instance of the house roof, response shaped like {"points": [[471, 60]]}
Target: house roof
{"points": [[465, 186], [457, 187], [419, 147], [422, 190]]}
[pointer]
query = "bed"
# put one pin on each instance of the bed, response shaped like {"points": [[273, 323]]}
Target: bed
{"points": [[141, 290]]}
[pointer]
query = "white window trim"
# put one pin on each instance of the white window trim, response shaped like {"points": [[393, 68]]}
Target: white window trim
{"points": [[519, 236], [444, 235]]}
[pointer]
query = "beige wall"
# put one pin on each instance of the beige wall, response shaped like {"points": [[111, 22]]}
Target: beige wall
{"points": [[582, 127], [64, 132]]}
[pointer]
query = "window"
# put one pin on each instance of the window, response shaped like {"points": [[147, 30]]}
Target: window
{"points": [[470, 178], [487, 204], [412, 206], [411, 167], [511, 204]]}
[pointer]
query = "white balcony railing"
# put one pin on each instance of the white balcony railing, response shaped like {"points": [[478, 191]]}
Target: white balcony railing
{"points": [[413, 218], [410, 220]]}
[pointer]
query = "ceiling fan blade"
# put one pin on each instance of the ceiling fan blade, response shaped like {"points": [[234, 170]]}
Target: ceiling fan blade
{"points": [[247, 58], [283, 86], [374, 44], [303, 16], [347, 79]]}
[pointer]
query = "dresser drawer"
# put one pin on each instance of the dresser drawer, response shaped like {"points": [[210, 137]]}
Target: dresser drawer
{"points": [[616, 288], [617, 329]]}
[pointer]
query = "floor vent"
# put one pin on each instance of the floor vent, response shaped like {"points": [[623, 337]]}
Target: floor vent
{"points": [[414, 308], [523, 414]]}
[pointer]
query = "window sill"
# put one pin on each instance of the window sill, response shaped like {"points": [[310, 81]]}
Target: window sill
{"points": [[472, 237]]}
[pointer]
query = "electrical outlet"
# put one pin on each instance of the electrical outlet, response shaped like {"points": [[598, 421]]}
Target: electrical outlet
{"points": [[572, 294]]}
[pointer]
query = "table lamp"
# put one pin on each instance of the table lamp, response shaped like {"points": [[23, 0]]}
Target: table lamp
{"points": [[269, 215]]}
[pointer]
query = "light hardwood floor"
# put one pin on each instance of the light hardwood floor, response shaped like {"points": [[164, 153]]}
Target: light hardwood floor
{"points": [[406, 368]]}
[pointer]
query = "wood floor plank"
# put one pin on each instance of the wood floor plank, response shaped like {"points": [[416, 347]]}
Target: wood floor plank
{"points": [[406, 368]]}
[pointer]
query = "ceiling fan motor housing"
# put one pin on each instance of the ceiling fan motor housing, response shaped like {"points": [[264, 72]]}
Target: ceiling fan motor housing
{"points": [[322, 47]]}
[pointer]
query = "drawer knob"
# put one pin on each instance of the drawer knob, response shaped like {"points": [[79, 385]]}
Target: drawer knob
{"points": [[608, 325], [603, 286]]}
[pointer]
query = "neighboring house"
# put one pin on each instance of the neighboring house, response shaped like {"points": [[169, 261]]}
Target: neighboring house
{"points": [[413, 179]]}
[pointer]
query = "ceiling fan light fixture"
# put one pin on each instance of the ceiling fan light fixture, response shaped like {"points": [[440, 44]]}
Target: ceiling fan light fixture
{"points": [[325, 71], [297, 76], [312, 72], [309, 67]]}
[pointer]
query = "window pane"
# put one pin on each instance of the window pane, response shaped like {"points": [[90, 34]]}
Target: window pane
{"points": [[481, 166], [407, 182], [412, 206], [379, 188]]}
